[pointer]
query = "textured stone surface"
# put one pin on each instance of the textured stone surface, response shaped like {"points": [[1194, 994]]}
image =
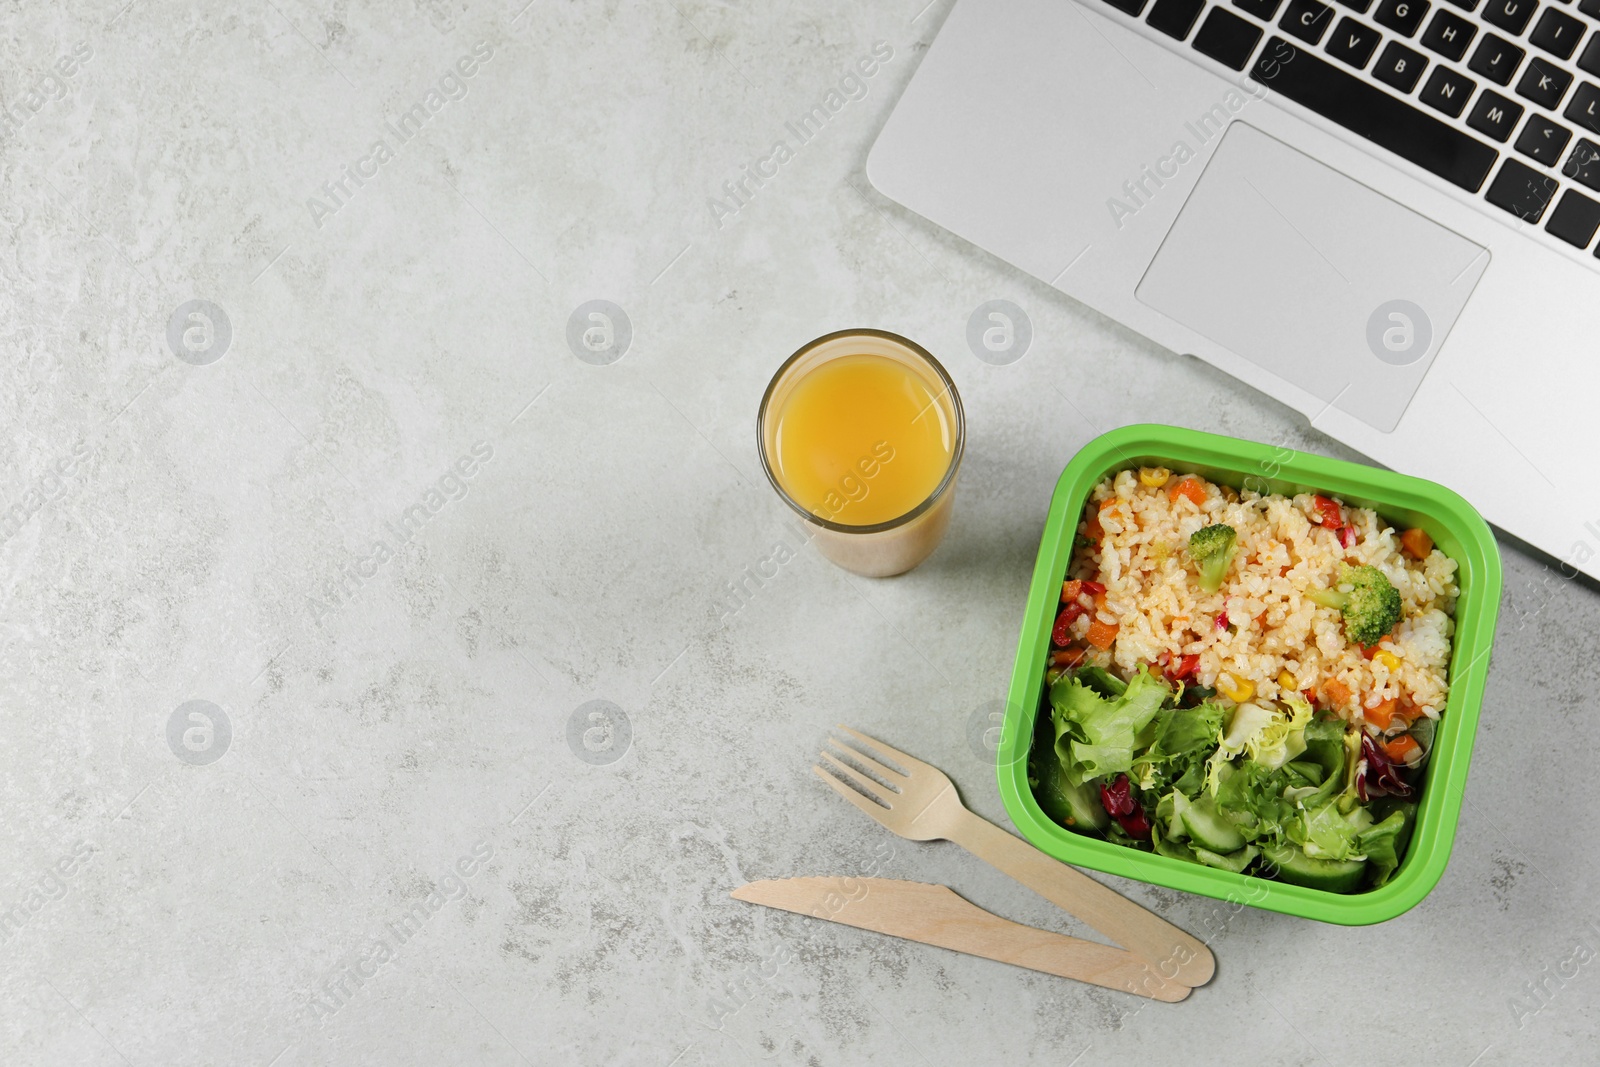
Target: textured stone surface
{"points": [[413, 715]]}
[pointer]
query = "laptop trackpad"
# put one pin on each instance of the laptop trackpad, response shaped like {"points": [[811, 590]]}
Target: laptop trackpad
{"points": [[1313, 276]]}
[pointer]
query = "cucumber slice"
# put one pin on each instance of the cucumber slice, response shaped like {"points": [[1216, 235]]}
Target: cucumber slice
{"points": [[1233, 861], [1171, 808], [1295, 867], [1165, 846], [1075, 807], [1209, 828]]}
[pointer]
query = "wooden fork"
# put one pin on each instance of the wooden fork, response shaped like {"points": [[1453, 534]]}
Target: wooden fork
{"points": [[923, 805]]}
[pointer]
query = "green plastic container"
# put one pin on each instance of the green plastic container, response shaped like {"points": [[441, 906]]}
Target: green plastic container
{"points": [[1457, 529]]}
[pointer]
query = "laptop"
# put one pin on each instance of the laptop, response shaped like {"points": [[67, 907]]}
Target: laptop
{"points": [[1382, 213]]}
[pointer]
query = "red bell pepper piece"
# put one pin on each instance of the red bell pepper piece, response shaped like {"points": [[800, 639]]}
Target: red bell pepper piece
{"points": [[1183, 667], [1061, 634], [1329, 513]]}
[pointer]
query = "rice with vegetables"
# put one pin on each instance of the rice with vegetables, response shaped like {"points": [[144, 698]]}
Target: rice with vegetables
{"points": [[1259, 634], [1243, 681]]}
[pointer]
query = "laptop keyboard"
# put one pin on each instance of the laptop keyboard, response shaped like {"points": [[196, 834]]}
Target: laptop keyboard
{"points": [[1501, 99]]}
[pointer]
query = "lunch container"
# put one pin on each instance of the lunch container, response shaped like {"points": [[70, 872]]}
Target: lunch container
{"points": [[1457, 530]]}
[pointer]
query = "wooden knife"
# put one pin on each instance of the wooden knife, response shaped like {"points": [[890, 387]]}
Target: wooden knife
{"points": [[935, 915]]}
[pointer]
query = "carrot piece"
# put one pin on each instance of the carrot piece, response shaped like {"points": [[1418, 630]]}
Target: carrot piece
{"points": [[1383, 714], [1067, 657], [1101, 634], [1070, 590], [1193, 488], [1399, 747], [1337, 692], [1093, 530], [1416, 543]]}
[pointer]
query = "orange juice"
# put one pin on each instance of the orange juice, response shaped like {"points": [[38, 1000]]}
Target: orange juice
{"points": [[862, 439], [861, 433]]}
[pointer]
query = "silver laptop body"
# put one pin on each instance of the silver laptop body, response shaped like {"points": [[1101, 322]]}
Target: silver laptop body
{"points": [[1413, 284]]}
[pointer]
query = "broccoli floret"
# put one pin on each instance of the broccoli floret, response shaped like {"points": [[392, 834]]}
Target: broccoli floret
{"points": [[1370, 602], [1211, 548]]}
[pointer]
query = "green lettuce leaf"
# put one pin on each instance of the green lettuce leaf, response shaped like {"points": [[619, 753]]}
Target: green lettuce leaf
{"points": [[1177, 757], [1349, 799], [1247, 721], [1384, 843], [1102, 681], [1251, 796], [1325, 746], [1077, 807], [1284, 737], [1327, 833], [1095, 736], [1304, 772]]}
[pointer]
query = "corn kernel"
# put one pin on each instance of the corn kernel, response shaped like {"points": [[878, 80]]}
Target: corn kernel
{"points": [[1237, 690], [1388, 659], [1154, 477], [1286, 682]]}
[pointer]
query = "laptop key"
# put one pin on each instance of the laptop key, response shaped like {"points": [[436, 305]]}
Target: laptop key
{"points": [[1353, 43], [1357, 5], [1544, 83], [1400, 67], [1465, 5], [1495, 116], [1307, 20], [1590, 60], [1585, 107], [1590, 8], [1449, 34], [1557, 33], [1496, 59], [1448, 91], [1227, 38], [1521, 190], [1510, 15], [1175, 18], [1543, 140], [1366, 110], [1575, 219], [1128, 7], [1401, 16], [1261, 9], [1584, 164]]}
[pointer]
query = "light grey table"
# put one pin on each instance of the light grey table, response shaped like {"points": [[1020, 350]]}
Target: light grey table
{"points": [[366, 503]]}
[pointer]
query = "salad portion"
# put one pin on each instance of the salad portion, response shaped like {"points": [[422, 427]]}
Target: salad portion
{"points": [[1266, 787]]}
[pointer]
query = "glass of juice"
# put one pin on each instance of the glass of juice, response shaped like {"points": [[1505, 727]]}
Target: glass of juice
{"points": [[861, 433]]}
